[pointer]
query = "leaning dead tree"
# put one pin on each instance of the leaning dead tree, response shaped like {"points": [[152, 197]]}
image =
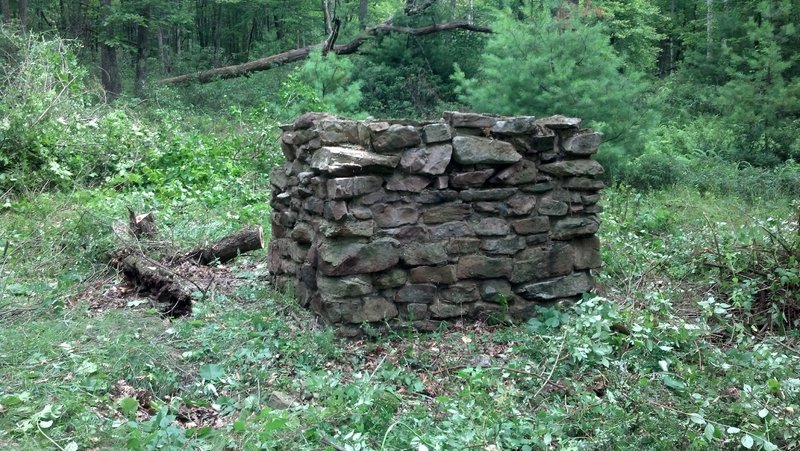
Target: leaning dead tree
{"points": [[291, 56]]}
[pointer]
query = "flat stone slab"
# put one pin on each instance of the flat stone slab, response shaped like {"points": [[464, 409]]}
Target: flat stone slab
{"points": [[346, 161], [469, 120], [395, 138], [344, 258], [584, 143], [573, 168], [520, 125], [559, 122], [478, 150], [431, 160], [571, 285], [347, 187]]}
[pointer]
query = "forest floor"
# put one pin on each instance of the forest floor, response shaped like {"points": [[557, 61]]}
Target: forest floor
{"points": [[683, 345]]}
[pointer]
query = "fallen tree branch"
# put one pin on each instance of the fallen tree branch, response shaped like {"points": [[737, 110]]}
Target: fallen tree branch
{"points": [[291, 56], [166, 294], [228, 248]]}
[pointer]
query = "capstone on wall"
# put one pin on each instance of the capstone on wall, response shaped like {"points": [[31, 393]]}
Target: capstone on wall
{"points": [[406, 223]]}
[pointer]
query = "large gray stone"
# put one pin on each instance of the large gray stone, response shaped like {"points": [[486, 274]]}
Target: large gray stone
{"points": [[520, 204], [521, 172], [584, 143], [395, 138], [529, 226], [483, 267], [496, 290], [460, 293], [408, 233], [405, 182], [278, 178], [307, 120], [346, 257], [416, 311], [347, 228], [373, 309], [379, 195], [473, 195], [520, 125], [469, 120], [574, 226], [347, 161], [462, 245], [437, 197], [573, 168], [543, 262], [491, 227], [477, 150], [446, 213], [302, 233], [348, 187], [571, 285], [587, 253], [463, 292], [432, 160], [420, 253], [394, 215], [422, 293], [335, 210], [559, 122], [435, 133], [341, 287], [550, 207], [472, 179], [504, 246], [451, 230], [433, 274], [392, 278], [338, 131], [445, 310], [583, 184]]}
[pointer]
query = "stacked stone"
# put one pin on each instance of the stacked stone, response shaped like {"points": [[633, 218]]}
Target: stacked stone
{"points": [[413, 223]]}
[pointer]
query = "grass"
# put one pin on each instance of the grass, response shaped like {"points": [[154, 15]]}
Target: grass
{"points": [[671, 354]]}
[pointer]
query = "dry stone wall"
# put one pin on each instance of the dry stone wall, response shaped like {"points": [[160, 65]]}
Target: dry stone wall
{"points": [[395, 223]]}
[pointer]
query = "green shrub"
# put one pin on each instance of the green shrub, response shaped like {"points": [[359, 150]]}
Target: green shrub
{"points": [[656, 170]]}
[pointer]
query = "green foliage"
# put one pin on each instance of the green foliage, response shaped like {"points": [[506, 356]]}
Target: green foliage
{"points": [[412, 77], [633, 27], [43, 89], [762, 95], [321, 83]]}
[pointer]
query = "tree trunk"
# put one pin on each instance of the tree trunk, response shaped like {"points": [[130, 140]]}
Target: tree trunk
{"points": [[671, 39], [141, 55], [108, 57], [302, 53], [23, 14], [6, 11], [161, 52], [709, 27], [363, 13], [326, 10]]}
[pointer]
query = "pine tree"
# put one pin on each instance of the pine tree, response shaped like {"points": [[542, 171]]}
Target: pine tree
{"points": [[559, 64]]}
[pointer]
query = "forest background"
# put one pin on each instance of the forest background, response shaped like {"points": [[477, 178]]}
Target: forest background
{"points": [[699, 102]]}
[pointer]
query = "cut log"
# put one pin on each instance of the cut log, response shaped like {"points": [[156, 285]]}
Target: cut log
{"points": [[166, 294], [143, 225], [228, 248]]}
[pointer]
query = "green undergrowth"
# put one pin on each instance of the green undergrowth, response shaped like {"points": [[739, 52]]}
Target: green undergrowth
{"points": [[690, 343]]}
